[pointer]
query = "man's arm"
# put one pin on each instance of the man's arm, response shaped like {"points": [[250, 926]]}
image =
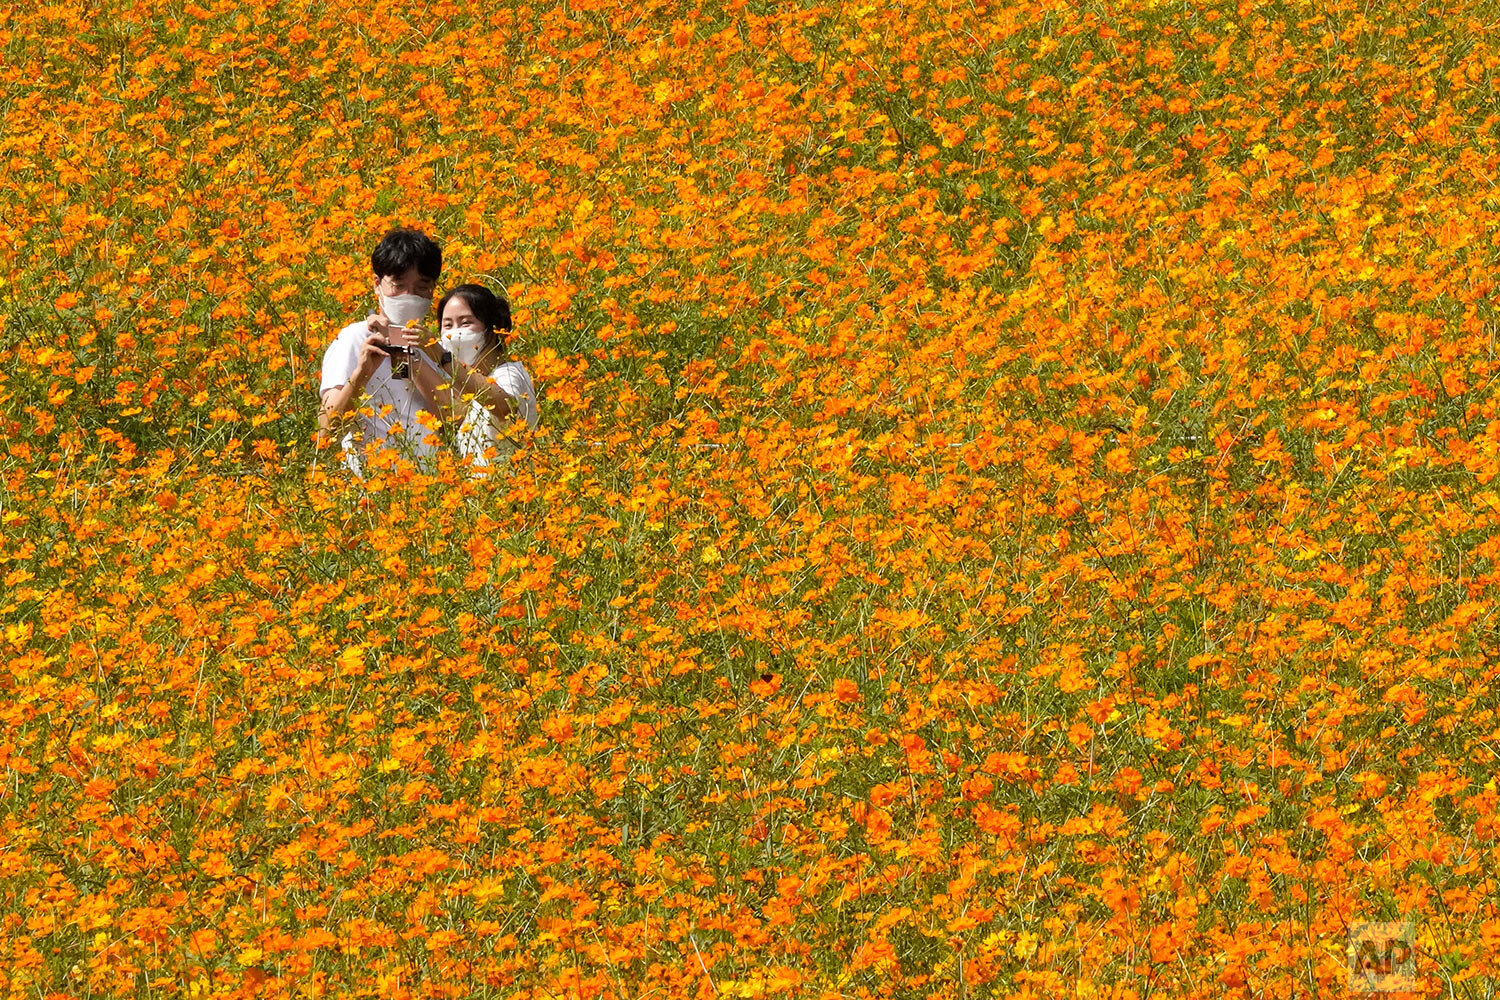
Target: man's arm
{"points": [[337, 404], [340, 401]]}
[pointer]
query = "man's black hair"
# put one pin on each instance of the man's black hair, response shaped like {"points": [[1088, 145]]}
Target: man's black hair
{"points": [[402, 249], [490, 309]]}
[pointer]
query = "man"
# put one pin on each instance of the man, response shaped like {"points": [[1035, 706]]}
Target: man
{"points": [[381, 401]]}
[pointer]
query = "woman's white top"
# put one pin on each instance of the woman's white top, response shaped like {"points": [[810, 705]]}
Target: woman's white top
{"points": [[481, 433]]}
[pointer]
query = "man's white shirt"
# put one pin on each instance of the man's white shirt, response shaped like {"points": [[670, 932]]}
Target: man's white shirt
{"points": [[394, 404]]}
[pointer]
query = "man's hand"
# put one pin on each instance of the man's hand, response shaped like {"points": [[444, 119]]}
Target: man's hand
{"points": [[370, 355]]}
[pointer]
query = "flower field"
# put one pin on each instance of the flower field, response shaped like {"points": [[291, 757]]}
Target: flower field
{"points": [[1014, 512]]}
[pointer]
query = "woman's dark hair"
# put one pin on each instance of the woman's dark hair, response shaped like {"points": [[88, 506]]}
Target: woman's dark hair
{"points": [[490, 309], [402, 249]]}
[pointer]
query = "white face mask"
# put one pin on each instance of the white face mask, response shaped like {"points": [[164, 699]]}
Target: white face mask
{"points": [[466, 342], [403, 309]]}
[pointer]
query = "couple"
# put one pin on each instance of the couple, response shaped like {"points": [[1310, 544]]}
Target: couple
{"points": [[389, 382]]}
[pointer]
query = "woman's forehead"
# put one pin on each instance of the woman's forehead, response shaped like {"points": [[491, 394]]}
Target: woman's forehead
{"points": [[457, 306]]}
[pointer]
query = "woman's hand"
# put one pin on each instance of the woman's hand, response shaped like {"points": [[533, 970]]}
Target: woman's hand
{"points": [[417, 338], [429, 344], [413, 338]]}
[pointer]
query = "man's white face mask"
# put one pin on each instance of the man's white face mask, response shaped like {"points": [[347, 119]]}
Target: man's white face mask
{"points": [[403, 309], [465, 342]]}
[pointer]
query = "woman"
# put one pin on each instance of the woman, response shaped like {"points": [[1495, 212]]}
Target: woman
{"points": [[470, 320]]}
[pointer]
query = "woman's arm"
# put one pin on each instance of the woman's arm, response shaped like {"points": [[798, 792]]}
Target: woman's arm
{"points": [[433, 384], [471, 383]]}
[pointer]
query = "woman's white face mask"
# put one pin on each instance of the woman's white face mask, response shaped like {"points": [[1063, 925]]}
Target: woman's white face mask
{"points": [[466, 342]]}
